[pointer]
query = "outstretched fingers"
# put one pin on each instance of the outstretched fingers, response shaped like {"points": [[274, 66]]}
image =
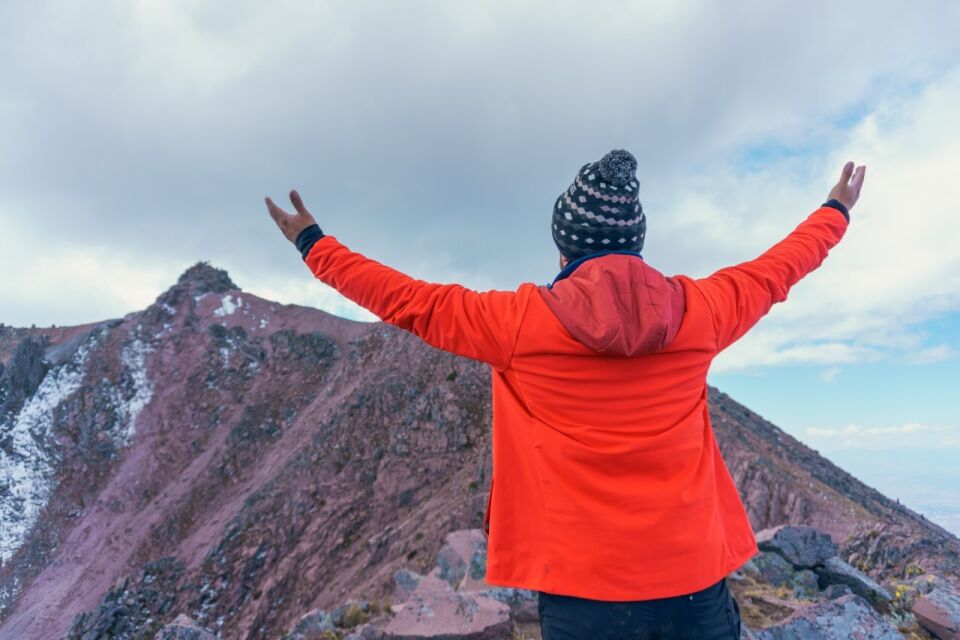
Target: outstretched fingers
{"points": [[846, 173], [857, 181], [279, 216], [298, 203]]}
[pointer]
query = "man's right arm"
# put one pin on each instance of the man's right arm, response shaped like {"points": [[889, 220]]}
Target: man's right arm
{"points": [[740, 295]]}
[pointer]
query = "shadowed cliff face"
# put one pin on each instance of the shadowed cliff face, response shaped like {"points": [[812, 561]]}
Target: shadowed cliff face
{"points": [[243, 462]]}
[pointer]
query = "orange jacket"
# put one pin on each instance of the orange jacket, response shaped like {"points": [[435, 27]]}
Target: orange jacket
{"points": [[607, 479]]}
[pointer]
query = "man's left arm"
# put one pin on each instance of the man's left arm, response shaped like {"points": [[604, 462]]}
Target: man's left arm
{"points": [[478, 325]]}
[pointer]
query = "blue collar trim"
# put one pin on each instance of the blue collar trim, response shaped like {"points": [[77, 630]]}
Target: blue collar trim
{"points": [[571, 266]]}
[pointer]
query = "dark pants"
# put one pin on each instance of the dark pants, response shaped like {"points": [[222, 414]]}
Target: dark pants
{"points": [[708, 614]]}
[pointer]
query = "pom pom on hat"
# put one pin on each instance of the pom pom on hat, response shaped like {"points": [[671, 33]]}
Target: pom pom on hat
{"points": [[618, 167]]}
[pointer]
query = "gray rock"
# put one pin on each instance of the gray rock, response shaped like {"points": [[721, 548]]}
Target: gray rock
{"points": [[436, 611], [311, 625], [834, 591], [462, 562], [939, 611], [803, 547], [202, 277], [60, 353], [837, 571], [849, 617], [805, 583], [522, 602], [341, 616], [462, 559], [183, 628], [364, 632], [770, 567], [23, 375], [404, 584], [916, 586]]}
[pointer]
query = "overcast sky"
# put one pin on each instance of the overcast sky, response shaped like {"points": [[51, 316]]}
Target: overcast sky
{"points": [[139, 137]]}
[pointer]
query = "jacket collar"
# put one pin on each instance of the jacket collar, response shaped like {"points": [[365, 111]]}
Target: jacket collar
{"points": [[617, 306], [571, 266]]}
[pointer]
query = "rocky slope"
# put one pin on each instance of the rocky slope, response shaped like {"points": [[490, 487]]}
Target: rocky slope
{"points": [[245, 462]]}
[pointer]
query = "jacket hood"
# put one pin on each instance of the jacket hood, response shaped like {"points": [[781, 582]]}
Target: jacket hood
{"points": [[615, 303]]}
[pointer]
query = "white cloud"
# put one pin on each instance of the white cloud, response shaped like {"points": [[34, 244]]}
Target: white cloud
{"points": [[52, 277], [306, 291], [891, 272], [140, 136], [910, 435], [79, 284], [829, 375], [939, 353]]}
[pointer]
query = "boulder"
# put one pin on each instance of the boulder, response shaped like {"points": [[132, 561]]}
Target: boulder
{"points": [[311, 626], [849, 617], [939, 611], [463, 559], [836, 571], [351, 614], [770, 567], [462, 562], [803, 547], [806, 584], [364, 632], [404, 584], [183, 628], [834, 591], [435, 610], [523, 603]]}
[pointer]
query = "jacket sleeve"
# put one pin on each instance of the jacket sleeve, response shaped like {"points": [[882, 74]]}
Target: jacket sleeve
{"points": [[478, 325], [740, 295]]}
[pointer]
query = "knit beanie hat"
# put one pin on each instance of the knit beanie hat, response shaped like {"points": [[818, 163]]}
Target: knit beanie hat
{"points": [[601, 210]]}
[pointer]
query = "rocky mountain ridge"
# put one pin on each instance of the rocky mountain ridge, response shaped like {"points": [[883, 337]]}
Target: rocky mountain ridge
{"points": [[243, 462]]}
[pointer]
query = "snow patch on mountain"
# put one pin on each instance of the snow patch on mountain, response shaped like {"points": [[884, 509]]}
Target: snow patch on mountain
{"points": [[228, 306], [130, 400], [26, 463]]}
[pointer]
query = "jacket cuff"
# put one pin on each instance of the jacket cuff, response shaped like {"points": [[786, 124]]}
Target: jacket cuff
{"points": [[836, 204], [306, 239]]}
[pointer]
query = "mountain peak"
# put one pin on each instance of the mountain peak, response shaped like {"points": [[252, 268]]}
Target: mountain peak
{"points": [[202, 277]]}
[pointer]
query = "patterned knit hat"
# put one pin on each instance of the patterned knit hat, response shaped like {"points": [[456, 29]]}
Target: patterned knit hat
{"points": [[601, 210]]}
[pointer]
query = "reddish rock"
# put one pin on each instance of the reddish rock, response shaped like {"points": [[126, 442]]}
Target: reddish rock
{"points": [[436, 611], [939, 612], [405, 582], [462, 560], [183, 628]]}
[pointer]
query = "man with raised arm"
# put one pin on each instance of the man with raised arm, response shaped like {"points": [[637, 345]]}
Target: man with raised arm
{"points": [[609, 495]]}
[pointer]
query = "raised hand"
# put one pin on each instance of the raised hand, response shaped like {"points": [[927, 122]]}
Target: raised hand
{"points": [[290, 225], [847, 190]]}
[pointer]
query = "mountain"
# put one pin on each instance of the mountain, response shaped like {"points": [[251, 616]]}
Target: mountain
{"points": [[244, 462]]}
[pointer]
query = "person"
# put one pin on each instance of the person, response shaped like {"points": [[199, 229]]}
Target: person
{"points": [[609, 497]]}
